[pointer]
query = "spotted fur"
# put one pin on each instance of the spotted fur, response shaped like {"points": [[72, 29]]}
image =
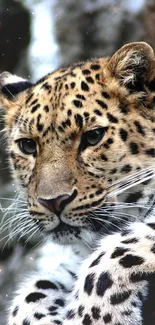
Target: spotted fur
{"points": [[82, 148]]}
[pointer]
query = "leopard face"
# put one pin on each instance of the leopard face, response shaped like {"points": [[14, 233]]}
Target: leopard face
{"points": [[77, 137]]}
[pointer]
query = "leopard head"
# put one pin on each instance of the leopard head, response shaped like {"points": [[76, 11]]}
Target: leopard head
{"points": [[81, 140]]}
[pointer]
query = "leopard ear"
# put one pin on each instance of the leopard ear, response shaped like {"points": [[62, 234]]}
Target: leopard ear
{"points": [[134, 65], [11, 87]]}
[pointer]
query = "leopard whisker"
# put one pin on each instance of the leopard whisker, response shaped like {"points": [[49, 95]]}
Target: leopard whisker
{"points": [[120, 205], [28, 230], [118, 214], [34, 231], [128, 182], [107, 222]]}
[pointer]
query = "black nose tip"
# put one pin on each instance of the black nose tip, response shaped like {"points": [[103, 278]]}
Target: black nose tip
{"points": [[57, 204]]}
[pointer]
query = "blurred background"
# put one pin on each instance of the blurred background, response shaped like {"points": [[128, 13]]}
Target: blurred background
{"points": [[36, 37]]}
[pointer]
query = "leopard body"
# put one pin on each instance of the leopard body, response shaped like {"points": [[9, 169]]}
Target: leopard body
{"points": [[81, 143]]}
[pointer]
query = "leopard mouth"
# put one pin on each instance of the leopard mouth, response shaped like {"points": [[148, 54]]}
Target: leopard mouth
{"points": [[91, 223], [63, 227], [65, 233]]}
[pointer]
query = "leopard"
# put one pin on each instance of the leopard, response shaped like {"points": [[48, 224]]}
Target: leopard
{"points": [[81, 145]]}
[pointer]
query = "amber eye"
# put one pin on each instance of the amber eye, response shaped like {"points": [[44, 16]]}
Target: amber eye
{"points": [[27, 146], [92, 138]]}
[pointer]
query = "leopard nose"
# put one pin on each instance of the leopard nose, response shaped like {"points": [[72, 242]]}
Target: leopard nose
{"points": [[57, 204]]}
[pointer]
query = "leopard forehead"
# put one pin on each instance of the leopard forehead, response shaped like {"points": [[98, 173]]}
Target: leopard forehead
{"points": [[70, 101], [67, 100]]}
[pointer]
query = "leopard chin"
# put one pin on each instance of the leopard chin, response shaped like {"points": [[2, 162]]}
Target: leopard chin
{"points": [[74, 236], [65, 234]]}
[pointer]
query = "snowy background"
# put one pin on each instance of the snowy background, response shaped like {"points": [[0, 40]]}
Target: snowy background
{"points": [[36, 37]]}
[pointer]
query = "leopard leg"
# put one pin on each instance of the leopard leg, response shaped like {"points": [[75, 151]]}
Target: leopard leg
{"points": [[42, 297], [113, 285]]}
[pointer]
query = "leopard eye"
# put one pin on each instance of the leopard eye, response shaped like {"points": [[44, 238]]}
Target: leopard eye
{"points": [[27, 146], [92, 138]]}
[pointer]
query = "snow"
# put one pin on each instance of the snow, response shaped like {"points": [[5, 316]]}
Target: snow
{"points": [[43, 49], [134, 5]]}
